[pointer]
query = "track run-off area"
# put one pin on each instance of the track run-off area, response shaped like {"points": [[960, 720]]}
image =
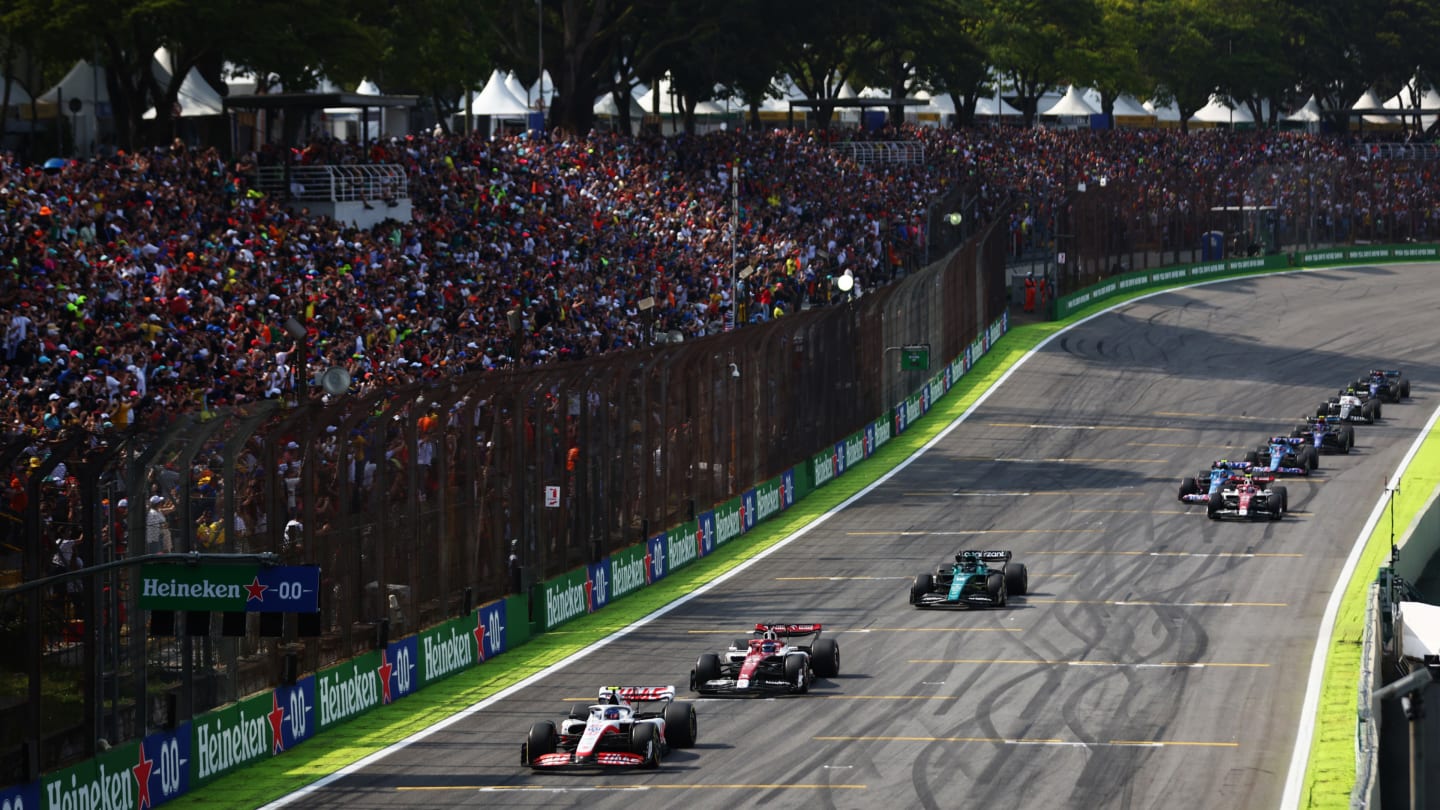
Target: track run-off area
{"points": [[1161, 659]]}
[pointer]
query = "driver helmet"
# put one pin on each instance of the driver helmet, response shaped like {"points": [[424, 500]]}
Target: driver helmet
{"points": [[612, 713], [1222, 464], [770, 647]]}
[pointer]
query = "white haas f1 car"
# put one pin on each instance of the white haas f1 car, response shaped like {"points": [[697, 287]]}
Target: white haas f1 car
{"points": [[1249, 497], [615, 732], [769, 662], [1350, 406]]}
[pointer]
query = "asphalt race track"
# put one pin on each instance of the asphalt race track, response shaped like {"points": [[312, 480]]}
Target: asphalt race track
{"points": [[1161, 658]]}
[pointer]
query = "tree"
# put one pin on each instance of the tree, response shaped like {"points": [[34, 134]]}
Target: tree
{"points": [[950, 57], [1035, 44], [1177, 46]]}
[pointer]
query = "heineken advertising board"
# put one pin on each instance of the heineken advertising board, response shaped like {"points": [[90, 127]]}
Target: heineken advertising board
{"points": [[128, 777], [565, 597], [221, 588], [682, 546], [729, 521], [251, 730], [629, 570]]}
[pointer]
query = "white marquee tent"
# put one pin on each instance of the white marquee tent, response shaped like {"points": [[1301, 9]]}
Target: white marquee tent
{"points": [[1168, 113], [1219, 111], [497, 101], [1070, 105]]}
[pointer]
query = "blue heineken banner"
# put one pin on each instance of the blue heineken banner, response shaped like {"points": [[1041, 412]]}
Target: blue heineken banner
{"points": [[747, 509], [902, 417], [21, 796], [491, 636], [292, 714], [787, 488], [655, 558], [398, 669], [597, 584], [163, 770], [706, 522]]}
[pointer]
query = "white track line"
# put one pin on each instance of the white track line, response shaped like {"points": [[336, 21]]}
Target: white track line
{"points": [[1307, 722]]}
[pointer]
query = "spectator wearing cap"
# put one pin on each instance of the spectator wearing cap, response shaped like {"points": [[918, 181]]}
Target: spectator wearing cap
{"points": [[119, 525], [157, 528]]}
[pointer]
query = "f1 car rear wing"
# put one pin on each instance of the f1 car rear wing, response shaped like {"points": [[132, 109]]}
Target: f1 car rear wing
{"points": [[637, 694], [985, 556], [788, 630]]}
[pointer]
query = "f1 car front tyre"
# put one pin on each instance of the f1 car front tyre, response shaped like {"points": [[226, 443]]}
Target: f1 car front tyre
{"points": [[1310, 458], [1347, 438], [995, 586], [1017, 579], [644, 742], [680, 725], [1281, 505], [707, 668], [795, 673], [1188, 487], [825, 658], [541, 741], [923, 584]]}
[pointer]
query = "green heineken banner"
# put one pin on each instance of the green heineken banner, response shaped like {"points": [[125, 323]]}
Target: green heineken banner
{"points": [[249, 587]]}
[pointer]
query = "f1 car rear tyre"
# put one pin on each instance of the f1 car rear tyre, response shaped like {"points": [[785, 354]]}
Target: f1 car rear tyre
{"points": [[1188, 487], [1310, 458], [795, 673], [1212, 507], [1347, 438], [579, 711], [740, 644], [1282, 502], [1252, 457], [1323, 410], [825, 658], [923, 584], [707, 668], [644, 743], [680, 726], [1017, 579], [541, 741], [1404, 388]]}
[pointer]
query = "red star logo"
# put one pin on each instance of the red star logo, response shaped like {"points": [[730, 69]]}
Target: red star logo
{"points": [[700, 540], [590, 595], [385, 669], [649, 575], [277, 721], [479, 636], [257, 591], [141, 772]]}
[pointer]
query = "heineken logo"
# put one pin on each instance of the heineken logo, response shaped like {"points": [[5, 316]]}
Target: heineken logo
{"points": [[767, 502], [563, 603], [218, 749], [727, 526], [628, 576], [153, 587], [450, 652], [344, 694], [683, 548], [824, 468], [109, 790], [854, 451]]}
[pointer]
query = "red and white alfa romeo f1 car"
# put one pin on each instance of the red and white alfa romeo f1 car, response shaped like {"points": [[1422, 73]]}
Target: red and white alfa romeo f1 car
{"points": [[630, 726], [768, 662]]}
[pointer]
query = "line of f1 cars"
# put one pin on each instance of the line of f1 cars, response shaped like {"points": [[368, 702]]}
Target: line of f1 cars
{"points": [[1247, 489], [638, 726]]}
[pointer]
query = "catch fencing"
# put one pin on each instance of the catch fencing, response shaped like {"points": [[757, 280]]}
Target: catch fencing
{"points": [[419, 502]]}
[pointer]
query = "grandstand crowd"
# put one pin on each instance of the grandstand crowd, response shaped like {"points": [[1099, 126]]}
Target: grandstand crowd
{"points": [[137, 286]]}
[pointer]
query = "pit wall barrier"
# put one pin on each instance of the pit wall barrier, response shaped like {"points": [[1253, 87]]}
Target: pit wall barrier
{"points": [[196, 752]]}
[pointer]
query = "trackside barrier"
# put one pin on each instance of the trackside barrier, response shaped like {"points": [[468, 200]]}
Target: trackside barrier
{"points": [[1366, 794], [1142, 279], [168, 764]]}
